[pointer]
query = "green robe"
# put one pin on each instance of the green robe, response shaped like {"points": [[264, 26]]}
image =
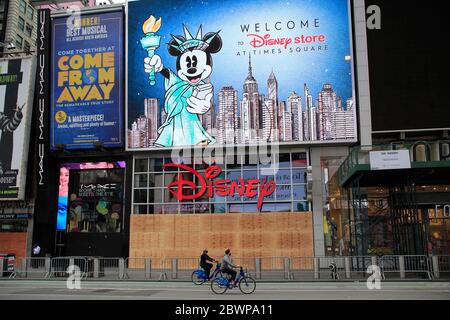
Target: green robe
{"points": [[180, 128]]}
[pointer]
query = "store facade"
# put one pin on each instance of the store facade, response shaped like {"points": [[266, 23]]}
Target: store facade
{"points": [[297, 84], [91, 217], [82, 202], [16, 227], [236, 201], [374, 211], [127, 178], [250, 100]]}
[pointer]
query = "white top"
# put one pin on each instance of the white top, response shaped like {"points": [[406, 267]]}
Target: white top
{"points": [[36, 250]]}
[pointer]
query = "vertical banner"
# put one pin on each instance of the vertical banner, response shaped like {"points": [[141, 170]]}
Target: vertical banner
{"points": [[87, 89], [16, 101], [41, 113]]}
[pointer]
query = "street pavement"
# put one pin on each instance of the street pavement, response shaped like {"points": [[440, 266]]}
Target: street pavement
{"points": [[165, 290]]}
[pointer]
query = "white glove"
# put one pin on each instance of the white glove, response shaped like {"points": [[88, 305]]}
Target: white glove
{"points": [[153, 62], [200, 101]]}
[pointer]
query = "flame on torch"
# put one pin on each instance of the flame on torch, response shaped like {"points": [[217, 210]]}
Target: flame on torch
{"points": [[151, 25]]}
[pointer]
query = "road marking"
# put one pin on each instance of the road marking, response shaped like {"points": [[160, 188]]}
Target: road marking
{"points": [[266, 290]]}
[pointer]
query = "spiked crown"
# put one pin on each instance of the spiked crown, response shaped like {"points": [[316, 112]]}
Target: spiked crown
{"points": [[191, 42]]}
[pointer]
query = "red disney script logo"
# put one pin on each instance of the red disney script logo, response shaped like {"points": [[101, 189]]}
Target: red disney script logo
{"points": [[258, 41], [220, 187]]}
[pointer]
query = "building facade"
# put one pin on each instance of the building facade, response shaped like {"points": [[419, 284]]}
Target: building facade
{"points": [[19, 26], [227, 121], [159, 210], [295, 105], [250, 108]]}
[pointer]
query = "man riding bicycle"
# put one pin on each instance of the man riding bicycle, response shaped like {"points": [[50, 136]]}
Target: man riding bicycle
{"points": [[227, 266]]}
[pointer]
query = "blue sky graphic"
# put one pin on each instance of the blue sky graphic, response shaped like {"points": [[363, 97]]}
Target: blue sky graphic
{"points": [[292, 70]]}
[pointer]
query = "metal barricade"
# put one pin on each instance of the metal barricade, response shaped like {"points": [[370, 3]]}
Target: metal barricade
{"points": [[418, 266], [33, 268], [182, 268], [357, 266], [248, 264], [331, 267], [441, 266], [144, 268], [167, 270], [106, 268], [274, 268], [264, 268], [59, 266], [302, 268], [389, 264], [324, 271], [405, 266], [137, 268]]}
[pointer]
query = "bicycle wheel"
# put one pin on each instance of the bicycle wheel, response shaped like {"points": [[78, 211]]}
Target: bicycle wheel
{"points": [[197, 278], [247, 285], [218, 286]]}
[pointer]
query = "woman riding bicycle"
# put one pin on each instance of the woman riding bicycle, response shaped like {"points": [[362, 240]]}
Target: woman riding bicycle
{"points": [[227, 266], [204, 258]]}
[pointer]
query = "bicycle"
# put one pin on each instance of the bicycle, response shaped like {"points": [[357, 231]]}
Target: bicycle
{"points": [[199, 277], [246, 283]]}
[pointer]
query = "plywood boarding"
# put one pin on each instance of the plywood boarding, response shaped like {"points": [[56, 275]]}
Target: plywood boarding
{"points": [[247, 235]]}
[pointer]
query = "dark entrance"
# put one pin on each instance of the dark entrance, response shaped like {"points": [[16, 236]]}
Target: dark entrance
{"points": [[95, 212], [92, 219]]}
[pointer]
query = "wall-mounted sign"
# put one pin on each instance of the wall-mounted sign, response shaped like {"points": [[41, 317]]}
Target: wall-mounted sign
{"points": [[41, 115], [242, 72], [87, 91], [14, 216], [187, 189], [390, 159], [14, 205]]}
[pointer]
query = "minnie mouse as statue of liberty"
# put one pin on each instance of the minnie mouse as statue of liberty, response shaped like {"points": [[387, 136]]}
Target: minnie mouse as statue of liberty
{"points": [[188, 91]]}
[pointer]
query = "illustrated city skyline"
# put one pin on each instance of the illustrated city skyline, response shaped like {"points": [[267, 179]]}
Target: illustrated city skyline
{"points": [[248, 116]]}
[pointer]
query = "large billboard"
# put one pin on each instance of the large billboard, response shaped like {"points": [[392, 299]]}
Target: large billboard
{"points": [[87, 86], [408, 67], [239, 72], [16, 104]]}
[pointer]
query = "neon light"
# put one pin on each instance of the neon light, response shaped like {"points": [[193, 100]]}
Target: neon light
{"points": [[220, 187]]}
